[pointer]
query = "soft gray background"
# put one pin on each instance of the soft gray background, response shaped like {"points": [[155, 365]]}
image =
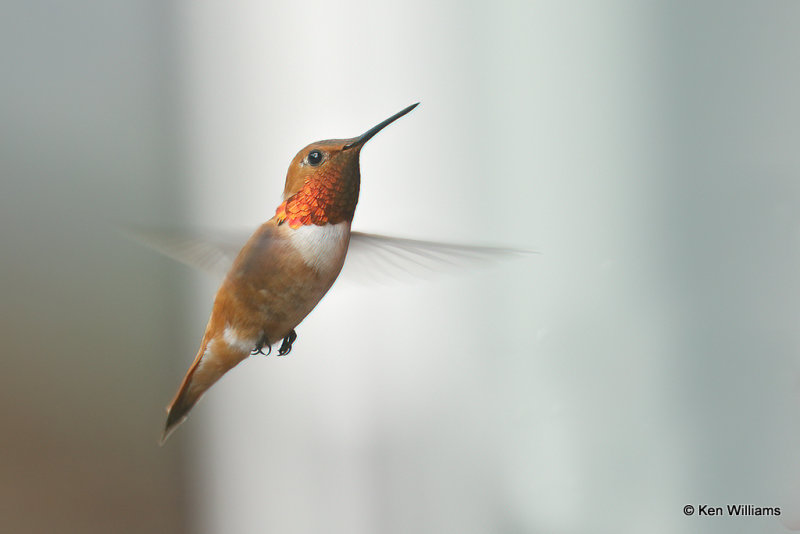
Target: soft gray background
{"points": [[646, 360]]}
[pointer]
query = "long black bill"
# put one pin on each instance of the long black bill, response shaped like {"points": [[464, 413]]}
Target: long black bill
{"points": [[369, 134]]}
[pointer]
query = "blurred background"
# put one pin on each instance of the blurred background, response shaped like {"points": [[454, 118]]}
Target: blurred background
{"points": [[646, 360]]}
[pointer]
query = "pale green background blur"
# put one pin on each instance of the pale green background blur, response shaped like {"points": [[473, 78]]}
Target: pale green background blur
{"points": [[646, 360]]}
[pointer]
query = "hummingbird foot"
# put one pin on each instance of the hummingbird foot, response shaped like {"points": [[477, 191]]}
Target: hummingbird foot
{"points": [[263, 342], [286, 346]]}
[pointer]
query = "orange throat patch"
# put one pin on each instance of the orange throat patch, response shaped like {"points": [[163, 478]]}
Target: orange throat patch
{"points": [[319, 203]]}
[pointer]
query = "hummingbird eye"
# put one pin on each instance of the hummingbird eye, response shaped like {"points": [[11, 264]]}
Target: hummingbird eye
{"points": [[314, 158]]}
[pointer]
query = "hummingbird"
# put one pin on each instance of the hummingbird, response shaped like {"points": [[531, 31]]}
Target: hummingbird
{"points": [[289, 263]]}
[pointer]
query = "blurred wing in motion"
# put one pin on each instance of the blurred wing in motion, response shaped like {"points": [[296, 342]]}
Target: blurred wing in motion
{"points": [[381, 258], [371, 257], [209, 251]]}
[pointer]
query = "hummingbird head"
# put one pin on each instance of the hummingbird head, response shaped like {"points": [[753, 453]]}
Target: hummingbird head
{"points": [[323, 180]]}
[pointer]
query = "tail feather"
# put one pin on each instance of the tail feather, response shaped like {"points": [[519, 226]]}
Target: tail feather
{"points": [[178, 411], [208, 367], [185, 399]]}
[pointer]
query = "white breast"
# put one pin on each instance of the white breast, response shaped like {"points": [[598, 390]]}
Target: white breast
{"points": [[322, 247]]}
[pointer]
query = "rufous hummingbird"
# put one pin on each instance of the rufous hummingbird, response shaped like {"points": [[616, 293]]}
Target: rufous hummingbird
{"points": [[289, 263]]}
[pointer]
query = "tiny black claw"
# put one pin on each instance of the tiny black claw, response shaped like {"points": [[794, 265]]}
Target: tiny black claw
{"points": [[286, 346], [263, 342]]}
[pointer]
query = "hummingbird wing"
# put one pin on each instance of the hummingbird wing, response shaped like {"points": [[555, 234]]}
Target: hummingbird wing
{"points": [[382, 258], [370, 257], [210, 251]]}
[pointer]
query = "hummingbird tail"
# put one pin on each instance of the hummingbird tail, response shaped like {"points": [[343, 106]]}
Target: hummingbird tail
{"points": [[208, 367], [178, 410]]}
